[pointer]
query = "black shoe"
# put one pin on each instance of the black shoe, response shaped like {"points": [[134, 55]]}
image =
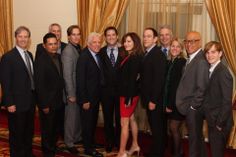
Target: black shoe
{"points": [[108, 148], [93, 153], [73, 150]]}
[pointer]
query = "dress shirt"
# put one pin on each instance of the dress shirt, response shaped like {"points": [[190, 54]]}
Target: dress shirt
{"points": [[115, 51]]}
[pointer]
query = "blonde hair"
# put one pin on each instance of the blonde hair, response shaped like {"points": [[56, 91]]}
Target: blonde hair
{"points": [[182, 54]]}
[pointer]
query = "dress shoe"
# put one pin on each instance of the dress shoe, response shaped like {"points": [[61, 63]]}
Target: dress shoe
{"points": [[108, 148], [93, 153], [73, 150], [134, 150]]}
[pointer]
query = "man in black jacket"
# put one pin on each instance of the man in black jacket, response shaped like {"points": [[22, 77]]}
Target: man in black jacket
{"points": [[89, 79], [111, 56], [153, 71], [49, 87], [19, 98]]}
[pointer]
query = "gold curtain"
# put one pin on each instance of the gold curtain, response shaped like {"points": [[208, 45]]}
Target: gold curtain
{"points": [[223, 16], [6, 26], [96, 15]]}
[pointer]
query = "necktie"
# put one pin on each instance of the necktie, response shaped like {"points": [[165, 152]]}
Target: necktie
{"points": [[101, 70], [187, 62], [98, 61], [112, 57], [165, 51], [29, 69]]}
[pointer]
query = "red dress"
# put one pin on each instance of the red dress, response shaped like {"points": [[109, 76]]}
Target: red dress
{"points": [[127, 111]]}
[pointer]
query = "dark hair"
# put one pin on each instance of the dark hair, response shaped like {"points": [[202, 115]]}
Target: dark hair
{"points": [[110, 28], [71, 28], [20, 29], [155, 34], [137, 49], [47, 36], [213, 43]]}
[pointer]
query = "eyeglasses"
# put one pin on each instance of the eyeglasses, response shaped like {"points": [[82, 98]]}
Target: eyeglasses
{"points": [[191, 41]]}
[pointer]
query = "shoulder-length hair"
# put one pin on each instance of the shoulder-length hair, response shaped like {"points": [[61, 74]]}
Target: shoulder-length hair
{"points": [[182, 54], [137, 49]]}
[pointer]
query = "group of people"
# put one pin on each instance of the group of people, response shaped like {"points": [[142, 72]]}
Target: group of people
{"points": [[68, 83]]}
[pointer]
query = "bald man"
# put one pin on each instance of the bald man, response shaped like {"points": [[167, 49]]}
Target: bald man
{"points": [[191, 91]]}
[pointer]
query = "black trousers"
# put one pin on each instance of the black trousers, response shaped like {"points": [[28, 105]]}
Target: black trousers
{"points": [[89, 122], [218, 140], [111, 106], [49, 127], [158, 124], [194, 121], [21, 129]]}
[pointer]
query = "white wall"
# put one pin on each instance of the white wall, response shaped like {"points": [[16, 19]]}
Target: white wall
{"points": [[37, 15]]}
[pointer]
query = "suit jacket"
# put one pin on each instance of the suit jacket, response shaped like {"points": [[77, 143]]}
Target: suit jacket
{"points": [[15, 81], [111, 73], [49, 82], [69, 58], [88, 78], [129, 77], [172, 81], [192, 86], [153, 71], [40, 49], [218, 99]]}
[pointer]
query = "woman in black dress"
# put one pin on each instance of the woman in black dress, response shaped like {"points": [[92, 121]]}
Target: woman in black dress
{"points": [[176, 63]]}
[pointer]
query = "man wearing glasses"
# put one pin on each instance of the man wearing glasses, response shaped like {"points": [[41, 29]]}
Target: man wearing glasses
{"points": [[191, 90]]}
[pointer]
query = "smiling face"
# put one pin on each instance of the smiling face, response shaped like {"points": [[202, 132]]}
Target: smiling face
{"points": [[111, 37], [56, 30], [94, 43], [74, 37], [175, 49], [192, 42], [148, 38], [213, 55], [165, 37], [128, 44], [22, 39]]}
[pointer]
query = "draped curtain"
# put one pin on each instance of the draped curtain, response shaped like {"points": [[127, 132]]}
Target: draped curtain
{"points": [[6, 26], [223, 16], [96, 15]]}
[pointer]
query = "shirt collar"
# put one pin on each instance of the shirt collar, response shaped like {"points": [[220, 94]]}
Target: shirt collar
{"points": [[191, 56], [213, 66]]}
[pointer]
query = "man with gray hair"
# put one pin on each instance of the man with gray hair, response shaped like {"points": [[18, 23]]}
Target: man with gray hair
{"points": [[165, 36], [89, 78]]}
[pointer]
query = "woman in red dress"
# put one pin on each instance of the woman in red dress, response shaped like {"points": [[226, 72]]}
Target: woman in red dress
{"points": [[128, 87]]}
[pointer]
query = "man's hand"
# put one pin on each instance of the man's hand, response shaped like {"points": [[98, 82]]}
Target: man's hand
{"points": [[46, 110], [86, 105], [11, 108], [168, 110], [71, 100], [151, 106]]}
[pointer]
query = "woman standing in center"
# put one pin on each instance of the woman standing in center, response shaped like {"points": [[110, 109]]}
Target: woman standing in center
{"points": [[129, 76]]}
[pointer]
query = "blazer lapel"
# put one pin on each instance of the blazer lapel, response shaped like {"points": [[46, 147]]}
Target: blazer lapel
{"points": [[21, 61]]}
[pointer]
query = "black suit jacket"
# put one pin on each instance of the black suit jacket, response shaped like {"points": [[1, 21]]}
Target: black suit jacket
{"points": [[153, 71], [111, 73], [15, 81], [88, 78], [49, 82], [40, 49], [129, 77], [218, 99]]}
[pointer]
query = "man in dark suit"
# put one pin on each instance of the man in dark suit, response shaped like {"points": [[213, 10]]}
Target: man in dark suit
{"points": [[165, 36], [54, 28], [89, 79], [49, 88], [153, 71], [191, 92], [19, 97], [218, 100], [111, 56]]}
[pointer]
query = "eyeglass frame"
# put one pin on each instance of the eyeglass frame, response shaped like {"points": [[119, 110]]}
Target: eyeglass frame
{"points": [[191, 42]]}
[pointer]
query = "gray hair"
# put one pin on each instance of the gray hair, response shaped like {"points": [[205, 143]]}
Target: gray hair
{"points": [[91, 36], [165, 27], [53, 24]]}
